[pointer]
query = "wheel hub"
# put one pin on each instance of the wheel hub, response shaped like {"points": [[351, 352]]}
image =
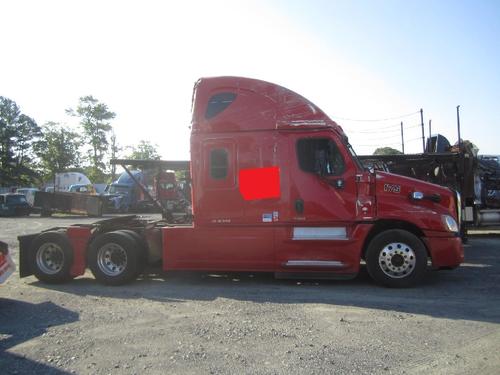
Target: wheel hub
{"points": [[397, 260], [112, 259], [50, 258]]}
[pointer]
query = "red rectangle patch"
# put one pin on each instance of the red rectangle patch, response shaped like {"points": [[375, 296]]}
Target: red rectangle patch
{"points": [[260, 183]]}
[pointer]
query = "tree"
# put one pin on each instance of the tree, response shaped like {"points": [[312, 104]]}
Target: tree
{"points": [[115, 149], [18, 134], [58, 149], [9, 113], [94, 120], [386, 151], [27, 134], [144, 151]]}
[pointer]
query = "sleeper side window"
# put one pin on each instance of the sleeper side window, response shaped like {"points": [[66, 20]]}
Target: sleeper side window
{"points": [[320, 156], [218, 164]]}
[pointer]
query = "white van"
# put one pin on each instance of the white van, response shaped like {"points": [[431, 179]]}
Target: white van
{"points": [[66, 179]]}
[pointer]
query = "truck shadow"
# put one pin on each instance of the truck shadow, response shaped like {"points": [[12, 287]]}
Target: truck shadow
{"points": [[469, 293], [22, 321]]}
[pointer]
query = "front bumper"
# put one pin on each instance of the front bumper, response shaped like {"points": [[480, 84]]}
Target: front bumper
{"points": [[446, 252]]}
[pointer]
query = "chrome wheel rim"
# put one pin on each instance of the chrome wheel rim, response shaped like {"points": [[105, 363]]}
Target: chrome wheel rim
{"points": [[397, 260], [112, 259], [50, 258]]}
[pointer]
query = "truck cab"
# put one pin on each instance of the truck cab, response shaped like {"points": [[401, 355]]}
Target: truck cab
{"points": [[277, 187], [123, 194]]}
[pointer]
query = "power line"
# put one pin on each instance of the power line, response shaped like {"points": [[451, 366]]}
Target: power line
{"points": [[384, 129], [375, 120], [395, 127], [385, 137], [379, 144]]}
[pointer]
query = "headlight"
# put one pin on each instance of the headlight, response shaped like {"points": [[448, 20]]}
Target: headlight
{"points": [[450, 223]]}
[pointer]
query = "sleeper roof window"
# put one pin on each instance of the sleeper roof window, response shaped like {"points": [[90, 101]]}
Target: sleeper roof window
{"points": [[218, 103]]}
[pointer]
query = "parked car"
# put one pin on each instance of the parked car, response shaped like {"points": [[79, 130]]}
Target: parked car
{"points": [[29, 193], [14, 205]]}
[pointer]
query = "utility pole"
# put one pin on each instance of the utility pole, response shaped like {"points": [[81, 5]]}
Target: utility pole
{"points": [[402, 138], [458, 128], [430, 135], [422, 124]]}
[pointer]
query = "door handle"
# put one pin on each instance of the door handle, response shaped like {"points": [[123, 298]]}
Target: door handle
{"points": [[338, 183]]}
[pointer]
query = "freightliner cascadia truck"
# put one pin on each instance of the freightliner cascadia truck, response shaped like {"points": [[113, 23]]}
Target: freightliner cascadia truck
{"points": [[276, 187]]}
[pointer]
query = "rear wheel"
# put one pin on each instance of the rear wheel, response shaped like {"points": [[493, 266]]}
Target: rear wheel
{"points": [[142, 247], [396, 258], [114, 258], [51, 257]]}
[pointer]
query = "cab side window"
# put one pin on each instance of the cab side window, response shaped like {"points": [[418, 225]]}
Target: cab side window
{"points": [[218, 164], [320, 156]]}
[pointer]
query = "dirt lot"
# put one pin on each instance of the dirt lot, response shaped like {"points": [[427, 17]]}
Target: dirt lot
{"points": [[198, 323]]}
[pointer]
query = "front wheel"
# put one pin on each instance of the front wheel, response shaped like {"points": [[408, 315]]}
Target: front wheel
{"points": [[396, 258]]}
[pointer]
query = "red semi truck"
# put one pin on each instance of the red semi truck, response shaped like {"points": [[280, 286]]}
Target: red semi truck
{"points": [[276, 187]]}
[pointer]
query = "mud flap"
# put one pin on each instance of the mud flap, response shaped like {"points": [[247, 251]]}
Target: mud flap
{"points": [[24, 254]]}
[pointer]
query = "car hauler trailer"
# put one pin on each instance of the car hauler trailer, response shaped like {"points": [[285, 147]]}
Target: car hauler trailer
{"points": [[66, 202], [277, 188], [477, 179]]}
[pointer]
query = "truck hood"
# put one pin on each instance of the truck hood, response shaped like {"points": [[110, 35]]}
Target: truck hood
{"points": [[394, 193]]}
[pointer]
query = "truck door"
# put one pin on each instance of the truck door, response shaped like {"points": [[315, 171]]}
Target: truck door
{"points": [[322, 183], [322, 202]]}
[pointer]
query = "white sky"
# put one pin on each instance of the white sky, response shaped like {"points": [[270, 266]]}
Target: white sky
{"points": [[142, 58]]}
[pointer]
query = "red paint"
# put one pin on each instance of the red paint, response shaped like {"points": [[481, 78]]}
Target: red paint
{"points": [[79, 238], [165, 186], [424, 214], [445, 252], [259, 183]]}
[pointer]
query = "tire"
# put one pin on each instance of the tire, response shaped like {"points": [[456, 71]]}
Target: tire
{"points": [[396, 258], [463, 234], [114, 258], [51, 257], [46, 212], [142, 248]]}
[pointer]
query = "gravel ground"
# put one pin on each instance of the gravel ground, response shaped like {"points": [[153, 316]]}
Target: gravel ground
{"points": [[199, 323]]}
